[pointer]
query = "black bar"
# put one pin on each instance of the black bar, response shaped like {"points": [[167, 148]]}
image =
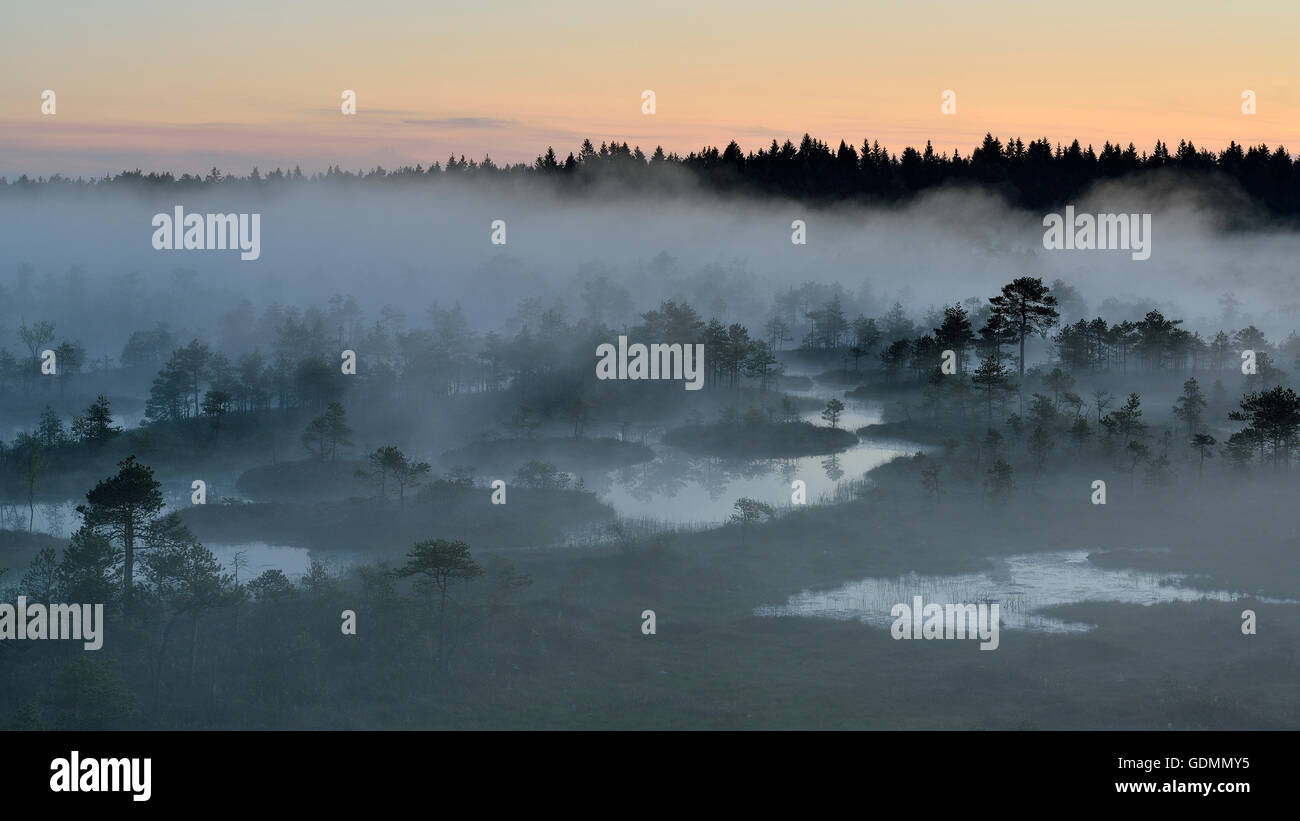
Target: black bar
{"points": [[964, 770]]}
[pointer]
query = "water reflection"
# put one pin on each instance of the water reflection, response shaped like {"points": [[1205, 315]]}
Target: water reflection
{"points": [[255, 558], [62, 520], [682, 488], [831, 464], [1020, 585]]}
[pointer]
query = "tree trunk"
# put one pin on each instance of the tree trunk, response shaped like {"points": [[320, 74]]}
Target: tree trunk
{"points": [[128, 544]]}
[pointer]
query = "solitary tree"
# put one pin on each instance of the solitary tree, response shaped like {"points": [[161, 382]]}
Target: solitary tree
{"points": [[1202, 443], [1128, 418], [35, 337], [832, 412], [439, 563], [1028, 308], [314, 438], [408, 474], [96, 427], [749, 511], [336, 428], [121, 507], [388, 464], [1190, 406]]}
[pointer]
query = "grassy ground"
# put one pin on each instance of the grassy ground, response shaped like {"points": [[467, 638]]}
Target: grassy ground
{"points": [[714, 665]]}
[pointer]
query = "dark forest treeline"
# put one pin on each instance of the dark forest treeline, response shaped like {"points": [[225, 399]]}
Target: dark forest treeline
{"points": [[1032, 174]]}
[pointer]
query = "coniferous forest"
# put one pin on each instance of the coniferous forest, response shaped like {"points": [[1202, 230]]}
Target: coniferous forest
{"points": [[1032, 174]]}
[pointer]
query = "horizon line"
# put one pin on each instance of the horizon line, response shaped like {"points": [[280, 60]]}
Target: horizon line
{"points": [[1058, 149]]}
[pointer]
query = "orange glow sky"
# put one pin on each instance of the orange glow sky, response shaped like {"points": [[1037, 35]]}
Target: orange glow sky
{"points": [[163, 86]]}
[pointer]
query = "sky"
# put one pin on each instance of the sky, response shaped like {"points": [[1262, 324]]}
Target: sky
{"points": [[174, 86]]}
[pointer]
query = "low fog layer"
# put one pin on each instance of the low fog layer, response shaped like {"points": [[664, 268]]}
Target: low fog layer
{"points": [[409, 246]]}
